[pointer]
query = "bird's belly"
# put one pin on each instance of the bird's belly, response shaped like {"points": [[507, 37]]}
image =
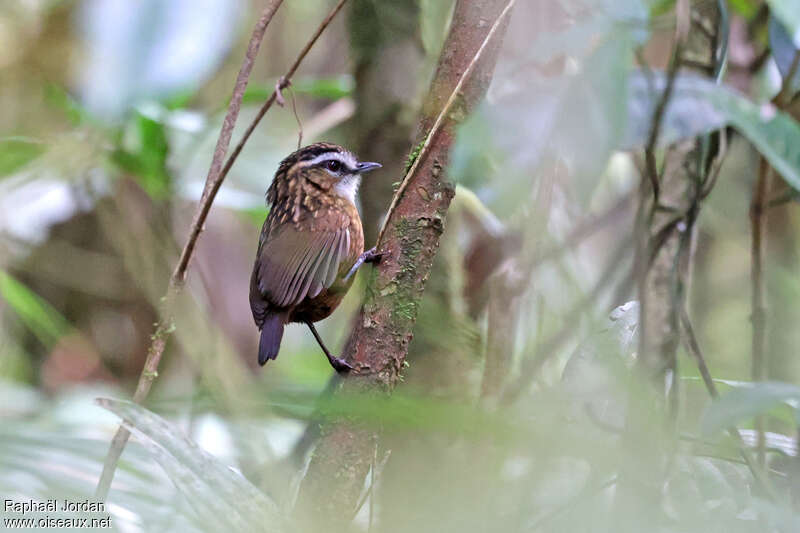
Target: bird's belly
{"points": [[319, 307]]}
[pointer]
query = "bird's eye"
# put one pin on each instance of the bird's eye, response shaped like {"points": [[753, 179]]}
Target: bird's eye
{"points": [[333, 165]]}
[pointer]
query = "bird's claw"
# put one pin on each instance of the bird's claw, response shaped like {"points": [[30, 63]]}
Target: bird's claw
{"points": [[370, 256], [374, 256], [340, 365]]}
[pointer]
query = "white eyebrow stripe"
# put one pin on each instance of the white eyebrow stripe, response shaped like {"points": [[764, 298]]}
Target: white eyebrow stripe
{"points": [[343, 157]]}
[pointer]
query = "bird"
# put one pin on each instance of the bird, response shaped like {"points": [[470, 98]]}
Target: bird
{"points": [[311, 244]]}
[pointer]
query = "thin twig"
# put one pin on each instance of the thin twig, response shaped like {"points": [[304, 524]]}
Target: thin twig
{"points": [[283, 83], [783, 199], [758, 290], [216, 175], [785, 94], [299, 122], [584, 230], [213, 186], [213, 180], [375, 471], [655, 128], [758, 235], [693, 347], [716, 166], [423, 152]]}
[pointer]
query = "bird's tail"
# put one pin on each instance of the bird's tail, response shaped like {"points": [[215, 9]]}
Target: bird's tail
{"points": [[271, 335]]}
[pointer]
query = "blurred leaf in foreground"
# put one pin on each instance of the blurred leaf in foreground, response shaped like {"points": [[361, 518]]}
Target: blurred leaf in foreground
{"points": [[748, 402], [44, 321], [699, 106], [222, 498], [784, 48], [788, 12], [597, 372], [16, 152]]}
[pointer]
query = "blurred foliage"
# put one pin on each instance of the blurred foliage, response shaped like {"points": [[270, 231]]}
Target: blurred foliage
{"points": [[784, 48], [16, 153], [39, 316], [699, 106], [325, 89], [147, 157]]}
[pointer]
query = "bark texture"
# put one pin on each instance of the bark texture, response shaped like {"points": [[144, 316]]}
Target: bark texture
{"points": [[661, 277], [383, 331]]}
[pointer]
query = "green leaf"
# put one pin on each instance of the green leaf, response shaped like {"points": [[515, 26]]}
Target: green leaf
{"points": [[146, 159], [788, 12], [47, 324], [745, 8], [326, 88], [747, 402], [773, 132], [16, 152], [221, 497], [59, 98], [699, 106]]}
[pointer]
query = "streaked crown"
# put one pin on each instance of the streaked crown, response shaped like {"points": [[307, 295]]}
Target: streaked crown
{"points": [[331, 163]]}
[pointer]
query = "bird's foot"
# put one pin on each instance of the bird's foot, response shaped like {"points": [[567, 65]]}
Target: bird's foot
{"points": [[370, 256], [374, 256], [340, 365]]}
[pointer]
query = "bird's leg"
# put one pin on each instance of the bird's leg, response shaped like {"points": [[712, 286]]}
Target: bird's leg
{"points": [[338, 364], [370, 256]]}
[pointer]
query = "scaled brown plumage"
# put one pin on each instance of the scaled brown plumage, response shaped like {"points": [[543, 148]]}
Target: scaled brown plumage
{"points": [[310, 240]]}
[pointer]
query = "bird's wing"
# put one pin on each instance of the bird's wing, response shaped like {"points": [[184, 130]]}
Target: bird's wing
{"points": [[295, 263]]}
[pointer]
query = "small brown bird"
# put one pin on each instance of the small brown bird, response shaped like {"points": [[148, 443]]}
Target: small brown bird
{"points": [[310, 246]]}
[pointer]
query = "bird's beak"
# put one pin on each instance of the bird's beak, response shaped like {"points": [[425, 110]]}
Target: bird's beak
{"points": [[361, 168]]}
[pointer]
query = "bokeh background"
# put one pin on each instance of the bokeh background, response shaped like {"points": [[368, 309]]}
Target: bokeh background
{"points": [[110, 112]]}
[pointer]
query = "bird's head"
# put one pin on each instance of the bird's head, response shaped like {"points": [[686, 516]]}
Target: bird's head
{"points": [[330, 167]]}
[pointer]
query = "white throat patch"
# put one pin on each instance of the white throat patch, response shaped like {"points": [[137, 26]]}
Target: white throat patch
{"points": [[347, 187]]}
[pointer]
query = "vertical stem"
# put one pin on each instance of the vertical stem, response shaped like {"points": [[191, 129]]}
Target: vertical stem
{"points": [[502, 315], [758, 295]]}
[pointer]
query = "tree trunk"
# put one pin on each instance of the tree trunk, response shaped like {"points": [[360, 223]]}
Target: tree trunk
{"points": [[383, 330]]}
